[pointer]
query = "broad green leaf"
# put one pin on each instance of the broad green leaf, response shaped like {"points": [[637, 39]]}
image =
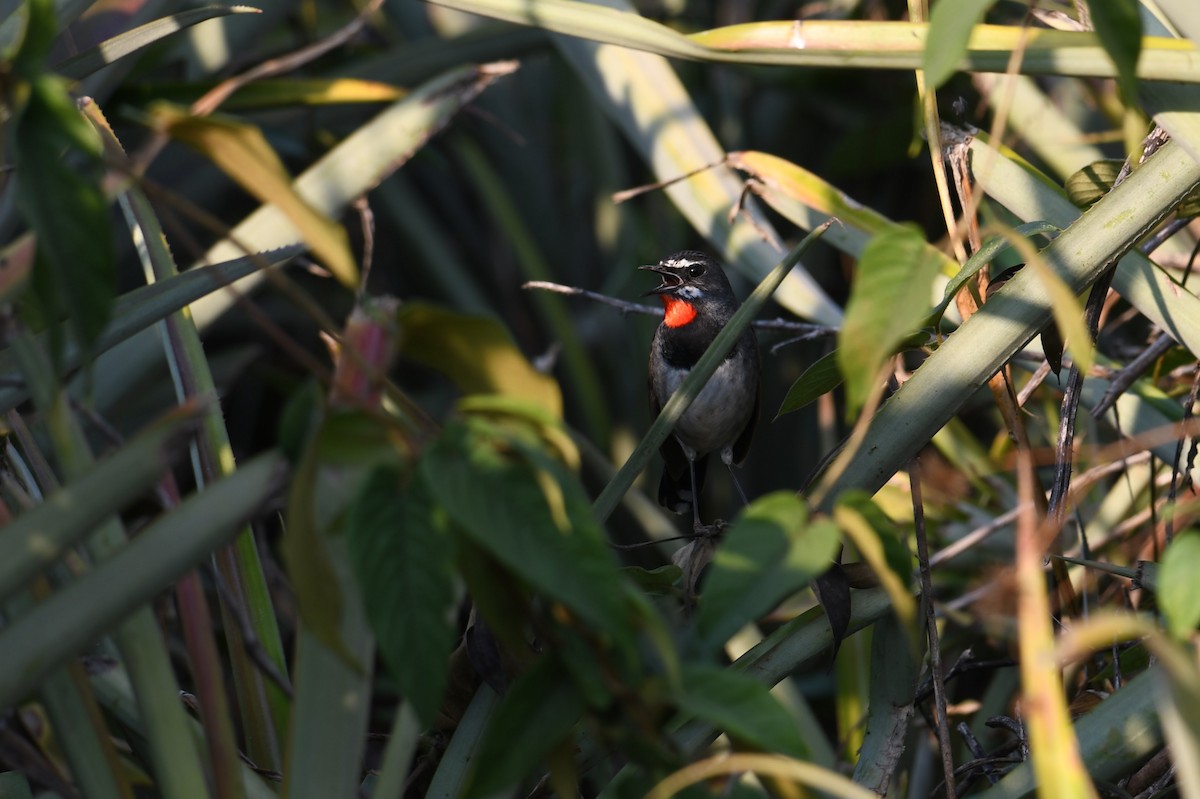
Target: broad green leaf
{"points": [[402, 555], [532, 516], [950, 25], [243, 153], [770, 552], [129, 42], [536, 714], [476, 352], [889, 299], [1119, 27], [818, 379], [1178, 588], [58, 192], [741, 707]]}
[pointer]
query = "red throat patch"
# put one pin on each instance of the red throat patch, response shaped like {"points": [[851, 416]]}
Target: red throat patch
{"points": [[679, 313]]}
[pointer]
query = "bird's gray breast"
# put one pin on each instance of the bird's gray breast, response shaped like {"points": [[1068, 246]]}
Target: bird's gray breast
{"points": [[716, 417]]}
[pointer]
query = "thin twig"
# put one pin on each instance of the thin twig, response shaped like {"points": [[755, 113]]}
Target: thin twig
{"points": [[806, 329], [1127, 376], [935, 655]]}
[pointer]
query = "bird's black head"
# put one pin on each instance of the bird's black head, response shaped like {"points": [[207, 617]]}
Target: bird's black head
{"points": [[691, 276], [693, 286]]}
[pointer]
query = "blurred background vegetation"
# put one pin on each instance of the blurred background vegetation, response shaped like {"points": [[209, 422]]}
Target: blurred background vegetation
{"points": [[306, 493]]}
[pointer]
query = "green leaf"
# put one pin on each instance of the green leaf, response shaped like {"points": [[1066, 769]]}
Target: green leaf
{"points": [[59, 194], [889, 299], [129, 42], [768, 554], [1119, 27], [536, 714], [661, 580], [532, 516], [877, 541], [41, 26], [818, 379], [742, 707], [991, 249], [1178, 588], [950, 27], [402, 555], [477, 353], [38, 537], [243, 153]]}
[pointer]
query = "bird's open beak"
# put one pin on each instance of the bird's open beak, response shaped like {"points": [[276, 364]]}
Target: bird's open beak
{"points": [[670, 280]]}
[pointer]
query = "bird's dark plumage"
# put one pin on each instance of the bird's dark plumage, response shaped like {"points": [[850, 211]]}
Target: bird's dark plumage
{"points": [[699, 302]]}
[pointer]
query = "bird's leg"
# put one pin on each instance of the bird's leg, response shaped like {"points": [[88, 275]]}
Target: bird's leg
{"points": [[737, 485], [696, 526]]}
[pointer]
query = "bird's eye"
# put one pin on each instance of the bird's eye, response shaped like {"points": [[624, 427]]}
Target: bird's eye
{"points": [[695, 270]]}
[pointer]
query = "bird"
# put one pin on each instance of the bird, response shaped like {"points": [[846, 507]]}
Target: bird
{"points": [[698, 302]]}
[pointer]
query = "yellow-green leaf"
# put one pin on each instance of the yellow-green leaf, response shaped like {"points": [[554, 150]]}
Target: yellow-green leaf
{"points": [[477, 353], [243, 153]]}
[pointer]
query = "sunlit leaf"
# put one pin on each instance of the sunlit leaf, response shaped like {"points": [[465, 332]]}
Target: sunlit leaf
{"points": [[131, 41], [243, 153], [1092, 182], [950, 25], [1119, 26], [1178, 588], [889, 299], [477, 353], [770, 552]]}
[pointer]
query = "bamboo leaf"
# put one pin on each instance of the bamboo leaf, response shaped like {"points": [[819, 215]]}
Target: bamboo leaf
{"points": [[243, 153], [477, 353], [124, 44], [1119, 27], [888, 300], [950, 27], [69, 620], [39, 537]]}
